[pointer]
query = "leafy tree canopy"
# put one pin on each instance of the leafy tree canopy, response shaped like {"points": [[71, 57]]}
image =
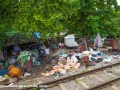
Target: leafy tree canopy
{"points": [[83, 17], [45, 16], [93, 16]]}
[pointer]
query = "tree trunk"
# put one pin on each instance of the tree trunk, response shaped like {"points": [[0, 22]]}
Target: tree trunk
{"points": [[86, 37]]}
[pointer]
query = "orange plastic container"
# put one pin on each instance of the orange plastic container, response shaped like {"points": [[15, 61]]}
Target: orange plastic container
{"points": [[15, 72]]}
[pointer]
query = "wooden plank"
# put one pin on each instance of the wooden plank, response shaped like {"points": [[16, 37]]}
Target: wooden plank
{"points": [[109, 47], [111, 74], [62, 87], [115, 88], [84, 85], [100, 79], [103, 49], [117, 70], [1, 55], [4, 81], [42, 89]]}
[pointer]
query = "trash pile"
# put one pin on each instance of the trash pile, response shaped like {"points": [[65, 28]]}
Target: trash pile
{"points": [[73, 60], [17, 67]]}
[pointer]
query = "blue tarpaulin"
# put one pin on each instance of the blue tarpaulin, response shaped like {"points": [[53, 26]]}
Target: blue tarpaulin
{"points": [[3, 72], [37, 34]]}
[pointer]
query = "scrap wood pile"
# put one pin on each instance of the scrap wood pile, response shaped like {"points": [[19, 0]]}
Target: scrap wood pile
{"points": [[73, 60]]}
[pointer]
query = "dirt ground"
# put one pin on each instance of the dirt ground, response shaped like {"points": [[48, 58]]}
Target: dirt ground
{"points": [[38, 71], [36, 76], [42, 68]]}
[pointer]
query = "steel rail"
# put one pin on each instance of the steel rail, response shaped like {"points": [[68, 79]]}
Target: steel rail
{"points": [[71, 77], [61, 80], [98, 87]]}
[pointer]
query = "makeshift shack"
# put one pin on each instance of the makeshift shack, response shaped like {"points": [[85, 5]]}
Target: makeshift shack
{"points": [[17, 42], [12, 58]]}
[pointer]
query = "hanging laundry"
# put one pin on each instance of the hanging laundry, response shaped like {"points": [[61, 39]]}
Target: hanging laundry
{"points": [[16, 48]]}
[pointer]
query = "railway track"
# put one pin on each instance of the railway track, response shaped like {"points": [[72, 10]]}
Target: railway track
{"points": [[84, 85], [79, 75], [96, 79]]}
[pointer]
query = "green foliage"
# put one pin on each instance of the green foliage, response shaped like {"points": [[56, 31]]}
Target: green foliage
{"points": [[3, 37], [55, 84], [35, 88], [93, 17], [44, 16], [116, 21], [82, 17], [118, 84], [7, 14]]}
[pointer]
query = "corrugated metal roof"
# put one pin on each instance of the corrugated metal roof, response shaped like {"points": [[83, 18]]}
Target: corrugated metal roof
{"points": [[17, 38]]}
